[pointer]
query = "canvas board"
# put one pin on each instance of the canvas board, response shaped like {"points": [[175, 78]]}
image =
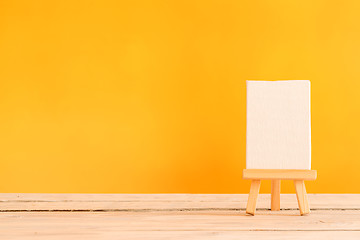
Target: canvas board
{"points": [[278, 125]]}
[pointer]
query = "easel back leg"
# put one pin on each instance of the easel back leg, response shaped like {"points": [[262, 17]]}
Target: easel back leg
{"points": [[275, 195]]}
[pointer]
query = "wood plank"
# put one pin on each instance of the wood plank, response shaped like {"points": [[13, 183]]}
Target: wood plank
{"points": [[285, 174], [191, 216], [87, 223], [32, 201], [180, 235], [198, 235], [324, 220]]}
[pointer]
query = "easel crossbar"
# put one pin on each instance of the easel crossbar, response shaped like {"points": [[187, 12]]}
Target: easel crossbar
{"points": [[283, 174]]}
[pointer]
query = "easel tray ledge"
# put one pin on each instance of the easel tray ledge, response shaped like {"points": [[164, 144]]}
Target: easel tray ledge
{"points": [[283, 174]]}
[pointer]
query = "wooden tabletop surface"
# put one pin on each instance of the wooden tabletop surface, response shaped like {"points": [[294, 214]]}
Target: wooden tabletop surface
{"points": [[175, 216]]}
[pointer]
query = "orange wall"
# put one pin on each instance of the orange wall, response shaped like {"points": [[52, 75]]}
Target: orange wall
{"points": [[149, 96]]}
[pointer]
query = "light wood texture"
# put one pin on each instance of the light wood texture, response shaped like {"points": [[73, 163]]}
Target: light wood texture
{"points": [[302, 197], [174, 216], [253, 196], [278, 125], [275, 195], [284, 174], [160, 202]]}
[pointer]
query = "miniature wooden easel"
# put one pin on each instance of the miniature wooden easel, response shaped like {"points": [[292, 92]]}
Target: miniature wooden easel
{"points": [[278, 139], [298, 176]]}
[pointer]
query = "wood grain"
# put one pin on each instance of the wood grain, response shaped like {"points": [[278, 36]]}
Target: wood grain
{"points": [[302, 197], [76, 224], [253, 196], [275, 195], [119, 202], [284, 174], [175, 216]]}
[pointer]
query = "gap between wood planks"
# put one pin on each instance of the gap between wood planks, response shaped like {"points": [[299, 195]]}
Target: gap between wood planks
{"points": [[168, 210], [29, 202]]}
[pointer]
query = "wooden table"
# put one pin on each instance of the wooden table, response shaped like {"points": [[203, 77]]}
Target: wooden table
{"points": [[175, 216]]}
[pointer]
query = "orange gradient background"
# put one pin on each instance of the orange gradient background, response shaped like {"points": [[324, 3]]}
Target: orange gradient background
{"points": [[149, 96]]}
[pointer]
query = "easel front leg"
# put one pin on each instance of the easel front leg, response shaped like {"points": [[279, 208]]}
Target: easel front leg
{"points": [[275, 195], [253, 195], [302, 197]]}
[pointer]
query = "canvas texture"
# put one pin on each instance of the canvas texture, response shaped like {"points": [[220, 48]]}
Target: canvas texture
{"points": [[278, 131]]}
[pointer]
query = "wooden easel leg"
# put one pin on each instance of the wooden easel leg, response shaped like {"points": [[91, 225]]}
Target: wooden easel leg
{"points": [[302, 197], [275, 195], [253, 195]]}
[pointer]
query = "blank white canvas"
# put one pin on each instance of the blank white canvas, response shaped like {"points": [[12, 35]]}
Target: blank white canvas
{"points": [[278, 127]]}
